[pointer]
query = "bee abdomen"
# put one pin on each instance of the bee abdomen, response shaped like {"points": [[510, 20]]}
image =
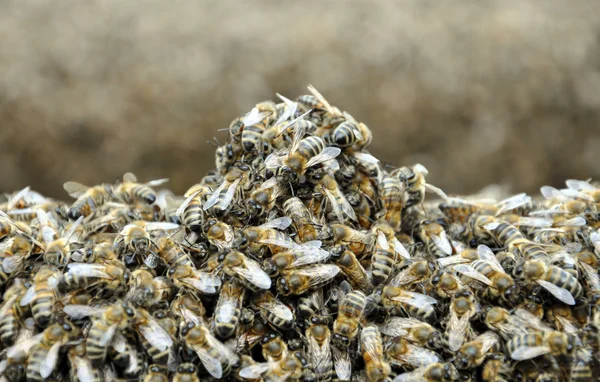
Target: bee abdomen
{"points": [[382, 263], [310, 146], [564, 279], [8, 328]]}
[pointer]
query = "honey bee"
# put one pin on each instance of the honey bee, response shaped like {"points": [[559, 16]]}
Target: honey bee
{"points": [[350, 314], [135, 237], [186, 372], [157, 373], [581, 370], [246, 270], [302, 219], [391, 198], [228, 309], [254, 125], [404, 353], [533, 345], [318, 337], [562, 318], [193, 280], [81, 368], [473, 353], [458, 329], [460, 210], [356, 241], [376, 368], [436, 372], [385, 256], [43, 356], [156, 339], [414, 304], [446, 284], [131, 191], [415, 185], [191, 213], [188, 310], [339, 204], [435, 238], [289, 368], [263, 198], [219, 234], [170, 251], [41, 296], [304, 254], [300, 281], [266, 234], [560, 283], [216, 358], [11, 313], [234, 181], [273, 310], [418, 271], [583, 189], [510, 325], [417, 332], [57, 249], [109, 276], [105, 323], [88, 198], [304, 153], [125, 355], [348, 263]]}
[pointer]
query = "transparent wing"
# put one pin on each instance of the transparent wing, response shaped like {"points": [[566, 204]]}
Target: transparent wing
{"points": [[398, 326], [291, 123], [119, 343], [319, 273], [200, 285], [274, 160], [436, 190], [269, 183], [211, 364], [254, 274], [469, 271], [299, 131], [47, 367], [164, 226], [533, 222], [487, 340], [11, 264], [108, 335], [228, 198], [157, 182], [285, 243], [279, 223], [528, 352], [399, 248], [530, 320], [591, 275], [129, 177], [77, 312], [225, 309], [512, 203], [334, 205], [579, 185], [369, 346], [85, 372], [321, 99], [442, 242], [88, 270], [255, 371], [342, 364], [457, 328], [328, 153], [595, 238], [320, 355], [452, 260], [8, 304], [486, 254], [28, 297], [382, 241], [574, 222], [21, 348], [550, 192], [290, 109], [16, 197], [75, 189], [277, 308], [73, 228], [560, 293], [412, 376], [254, 117], [419, 357], [186, 203], [155, 334], [214, 197], [48, 234], [311, 255], [491, 226]]}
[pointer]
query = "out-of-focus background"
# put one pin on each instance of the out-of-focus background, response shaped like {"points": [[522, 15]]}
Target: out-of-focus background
{"points": [[479, 92]]}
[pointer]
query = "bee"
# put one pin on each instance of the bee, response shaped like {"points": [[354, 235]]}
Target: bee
{"points": [[109, 276], [391, 198], [246, 270], [404, 353], [155, 338], [351, 311], [216, 358], [131, 191], [446, 284], [376, 368], [496, 369], [304, 153], [186, 372], [188, 309], [80, 367], [219, 234], [228, 309], [583, 189], [436, 372], [417, 272], [236, 179], [191, 213], [125, 356], [318, 337], [339, 204], [57, 250], [157, 373], [289, 368], [43, 356], [510, 325], [473, 353], [88, 198], [135, 238], [267, 234], [254, 125], [300, 281], [435, 238], [273, 310], [533, 345], [385, 256], [356, 241], [414, 304], [11, 313], [581, 370], [348, 263], [171, 252], [562, 318], [560, 283], [263, 198], [105, 323], [458, 329], [460, 210], [415, 185], [193, 280], [417, 332], [302, 219], [304, 254], [41, 296]]}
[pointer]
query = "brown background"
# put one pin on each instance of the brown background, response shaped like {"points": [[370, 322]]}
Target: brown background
{"points": [[478, 92]]}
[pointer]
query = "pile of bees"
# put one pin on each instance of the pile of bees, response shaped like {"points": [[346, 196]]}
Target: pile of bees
{"points": [[299, 258]]}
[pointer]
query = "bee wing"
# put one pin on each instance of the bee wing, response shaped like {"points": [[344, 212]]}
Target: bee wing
{"points": [[530, 320], [88, 270], [75, 189], [8, 304], [214, 197], [11, 264], [73, 228], [254, 117], [274, 160], [399, 248], [285, 243], [469, 271], [512, 203], [369, 345], [225, 309], [269, 183], [254, 274], [320, 354], [342, 364], [550, 192], [129, 177], [184, 205], [398, 326], [16, 197], [47, 367], [442, 242], [278, 308], [211, 364], [457, 328], [412, 376], [485, 253], [579, 185], [311, 255], [567, 326], [119, 343], [528, 352], [290, 124], [226, 201], [155, 334], [328, 153], [533, 222], [491, 226], [201, 285], [29, 296], [436, 190], [290, 109], [321, 99], [255, 371], [595, 238], [77, 312], [417, 300], [574, 222], [319, 274], [452, 260], [151, 261], [299, 131], [108, 335], [591, 275], [342, 208], [488, 339], [165, 226], [560, 293], [157, 182], [279, 223], [366, 158], [382, 241], [403, 278], [48, 234], [85, 372], [21, 348], [419, 356]]}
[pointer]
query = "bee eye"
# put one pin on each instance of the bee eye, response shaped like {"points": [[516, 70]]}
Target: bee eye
{"points": [[129, 312]]}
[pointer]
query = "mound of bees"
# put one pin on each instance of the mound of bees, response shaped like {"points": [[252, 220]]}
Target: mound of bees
{"points": [[300, 258]]}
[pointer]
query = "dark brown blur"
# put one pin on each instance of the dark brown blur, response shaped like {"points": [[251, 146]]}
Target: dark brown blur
{"points": [[478, 92]]}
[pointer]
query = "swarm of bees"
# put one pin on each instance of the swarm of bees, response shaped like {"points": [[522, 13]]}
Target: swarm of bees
{"points": [[299, 258]]}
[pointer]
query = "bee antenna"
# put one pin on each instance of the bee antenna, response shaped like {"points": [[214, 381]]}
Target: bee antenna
{"points": [[291, 188], [212, 143]]}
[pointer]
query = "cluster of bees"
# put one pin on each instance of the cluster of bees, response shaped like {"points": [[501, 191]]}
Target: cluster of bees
{"points": [[299, 258]]}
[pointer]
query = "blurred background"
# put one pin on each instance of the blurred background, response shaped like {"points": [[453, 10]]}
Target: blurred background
{"points": [[479, 92]]}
